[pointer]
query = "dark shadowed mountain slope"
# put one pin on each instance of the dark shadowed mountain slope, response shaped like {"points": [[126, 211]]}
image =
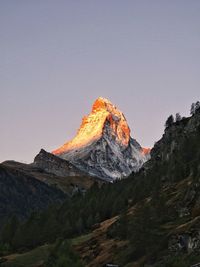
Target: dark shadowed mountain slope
{"points": [[20, 193], [55, 172]]}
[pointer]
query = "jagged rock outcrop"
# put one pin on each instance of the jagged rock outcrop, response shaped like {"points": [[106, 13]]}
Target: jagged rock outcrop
{"points": [[175, 137], [53, 164], [103, 146], [185, 242]]}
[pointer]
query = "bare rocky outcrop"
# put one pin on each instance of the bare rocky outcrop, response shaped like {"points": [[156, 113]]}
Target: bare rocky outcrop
{"points": [[53, 164]]}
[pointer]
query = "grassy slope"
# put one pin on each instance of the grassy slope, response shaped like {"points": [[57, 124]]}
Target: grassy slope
{"points": [[94, 249], [33, 258]]}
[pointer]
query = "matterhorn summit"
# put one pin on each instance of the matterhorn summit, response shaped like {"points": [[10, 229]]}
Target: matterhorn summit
{"points": [[103, 146]]}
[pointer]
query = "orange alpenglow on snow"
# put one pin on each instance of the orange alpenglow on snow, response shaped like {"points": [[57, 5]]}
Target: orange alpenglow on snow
{"points": [[146, 151], [92, 127]]}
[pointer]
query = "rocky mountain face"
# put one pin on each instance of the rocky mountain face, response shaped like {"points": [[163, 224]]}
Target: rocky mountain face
{"points": [[55, 172], [61, 173], [21, 193], [179, 136], [53, 164], [103, 146]]}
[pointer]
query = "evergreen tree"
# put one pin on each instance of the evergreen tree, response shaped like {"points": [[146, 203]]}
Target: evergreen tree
{"points": [[169, 121], [62, 255], [9, 229], [79, 226], [89, 221], [178, 117], [197, 106], [192, 109]]}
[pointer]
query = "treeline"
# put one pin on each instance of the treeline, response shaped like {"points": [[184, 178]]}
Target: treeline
{"points": [[195, 109], [63, 255]]}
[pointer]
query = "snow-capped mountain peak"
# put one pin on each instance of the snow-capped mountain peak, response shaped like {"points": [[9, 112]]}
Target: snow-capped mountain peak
{"points": [[92, 126], [103, 146]]}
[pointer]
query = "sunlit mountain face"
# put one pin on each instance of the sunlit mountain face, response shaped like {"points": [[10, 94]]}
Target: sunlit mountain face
{"points": [[92, 126], [103, 146]]}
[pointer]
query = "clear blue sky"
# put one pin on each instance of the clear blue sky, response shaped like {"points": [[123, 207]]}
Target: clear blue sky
{"points": [[56, 57]]}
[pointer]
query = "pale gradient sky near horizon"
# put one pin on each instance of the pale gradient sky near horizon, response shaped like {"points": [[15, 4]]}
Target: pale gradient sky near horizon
{"points": [[57, 57]]}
